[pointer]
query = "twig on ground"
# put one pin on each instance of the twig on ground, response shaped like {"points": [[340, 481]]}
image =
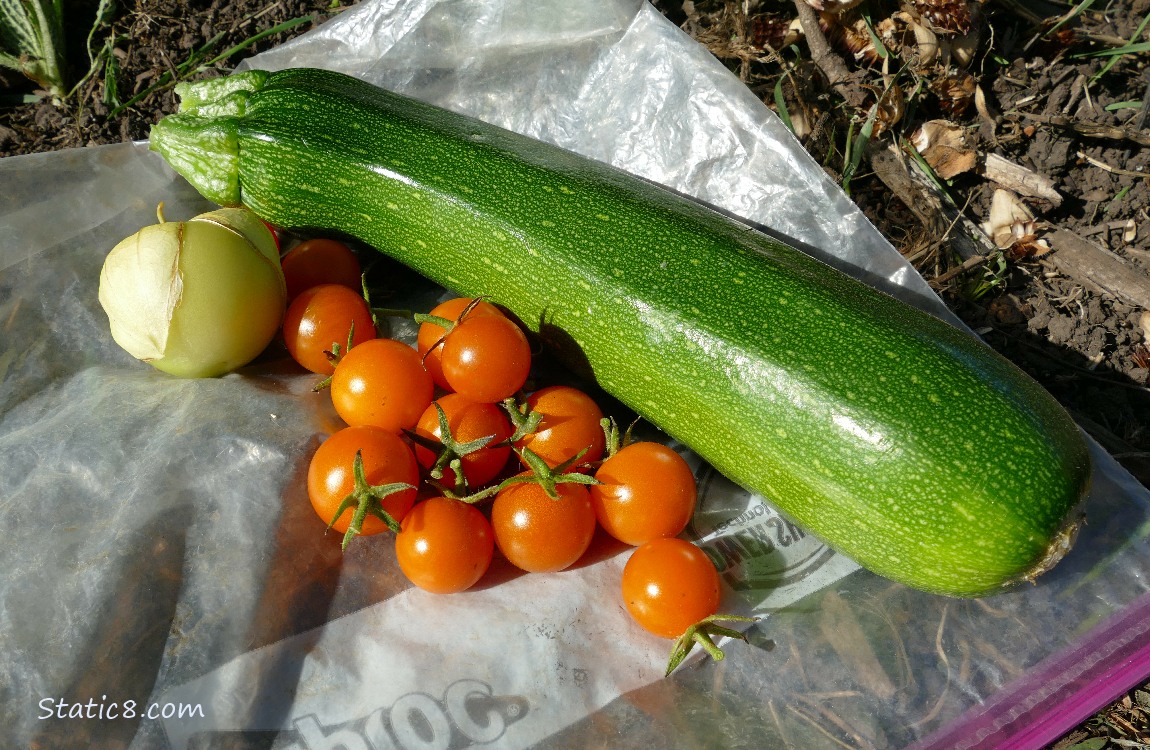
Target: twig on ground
{"points": [[967, 264], [1019, 179], [939, 215], [831, 65], [1099, 268], [1109, 168], [1090, 129]]}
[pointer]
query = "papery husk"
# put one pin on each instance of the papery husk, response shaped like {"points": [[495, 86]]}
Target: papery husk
{"points": [[198, 298]]}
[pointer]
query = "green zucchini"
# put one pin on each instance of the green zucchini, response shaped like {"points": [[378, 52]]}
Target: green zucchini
{"points": [[898, 439]]}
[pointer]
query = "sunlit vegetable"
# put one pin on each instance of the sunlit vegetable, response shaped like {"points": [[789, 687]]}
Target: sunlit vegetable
{"points": [[900, 440], [195, 298]]}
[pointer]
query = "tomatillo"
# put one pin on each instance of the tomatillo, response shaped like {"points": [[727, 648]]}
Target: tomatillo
{"points": [[195, 298]]}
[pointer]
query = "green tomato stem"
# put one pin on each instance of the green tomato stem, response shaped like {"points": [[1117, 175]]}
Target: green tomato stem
{"points": [[524, 421], [366, 499], [701, 634]]}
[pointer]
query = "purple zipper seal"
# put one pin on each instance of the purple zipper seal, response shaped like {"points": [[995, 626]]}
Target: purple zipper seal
{"points": [[1060, 692]]}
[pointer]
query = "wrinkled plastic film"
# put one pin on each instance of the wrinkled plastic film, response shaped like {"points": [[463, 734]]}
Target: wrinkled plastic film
{"points": [[160, 548]]}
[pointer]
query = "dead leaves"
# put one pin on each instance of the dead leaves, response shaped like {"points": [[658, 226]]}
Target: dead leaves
{"points": [[943, 145], [1013, 227]]}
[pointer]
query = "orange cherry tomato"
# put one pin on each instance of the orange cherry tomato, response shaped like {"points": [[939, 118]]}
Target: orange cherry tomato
{"points": [[386, 459], [571, 422], [381, 382], [486, 358], [467, 420], [539, 534], [647, 491], [321, 261], [320, 318], [429, 339], [445, 545], [669, 585]]}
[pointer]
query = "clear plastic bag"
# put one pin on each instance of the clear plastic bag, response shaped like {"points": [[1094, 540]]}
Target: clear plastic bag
{"points": [[165, 584]]}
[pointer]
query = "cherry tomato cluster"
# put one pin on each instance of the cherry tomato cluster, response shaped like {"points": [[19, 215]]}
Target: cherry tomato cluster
{"points": [[436, 430]]}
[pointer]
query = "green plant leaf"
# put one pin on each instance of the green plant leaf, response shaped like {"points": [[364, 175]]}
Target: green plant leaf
{"points": [[31, 35], [194, 63], [781, 105], [1128, 49], [1094, 743], [1070, 16], [879, 48], [858, 147]]}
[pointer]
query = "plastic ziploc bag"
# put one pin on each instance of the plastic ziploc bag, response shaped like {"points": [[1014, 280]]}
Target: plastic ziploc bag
{"points": [[166, 583]]}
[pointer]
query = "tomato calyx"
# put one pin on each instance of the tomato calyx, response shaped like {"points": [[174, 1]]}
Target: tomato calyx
{"points": [[449, 453], [334, 355], [702, 634], [539, 472], [524, 419], [367, 500], [615, 440], [547, 477]]}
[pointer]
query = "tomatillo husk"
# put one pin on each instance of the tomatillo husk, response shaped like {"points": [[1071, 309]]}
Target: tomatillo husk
{"points": [[195, 298]]}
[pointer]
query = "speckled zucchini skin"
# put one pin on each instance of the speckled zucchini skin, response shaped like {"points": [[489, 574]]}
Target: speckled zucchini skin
{"points": [[899, 440]]}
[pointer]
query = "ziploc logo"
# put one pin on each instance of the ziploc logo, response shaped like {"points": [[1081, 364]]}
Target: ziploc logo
{"points": [[468, 714], [761, 554]]}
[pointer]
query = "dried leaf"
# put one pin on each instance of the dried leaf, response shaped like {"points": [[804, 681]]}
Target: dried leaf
{"points": [[932, 45], [1140, 356], [853, 35], [984, 110], [891, 106], [955, 92], [964, 47], [925, 41], [942, 145], [1012, 226], [1028, 246]]}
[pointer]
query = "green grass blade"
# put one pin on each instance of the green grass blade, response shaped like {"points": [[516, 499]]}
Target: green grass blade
{"points": [[858, 148], [781, 105], [1129, 49], [1114, 60], [1124, 105], [193, 64], [928, 171], [1078, 10], [286, 25], [880, 48], [111, 69]]}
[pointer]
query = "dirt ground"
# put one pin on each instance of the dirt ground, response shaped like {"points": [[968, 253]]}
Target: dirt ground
{"points": [[936, 109]]}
